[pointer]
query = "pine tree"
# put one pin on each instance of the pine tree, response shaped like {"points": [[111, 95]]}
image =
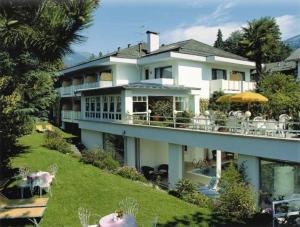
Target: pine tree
{"points": [[219, 43]]}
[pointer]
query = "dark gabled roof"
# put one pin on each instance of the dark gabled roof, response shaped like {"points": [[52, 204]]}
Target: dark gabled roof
{"points": [[190, 46], [139, 85], [280, 66], [295, 55], [195, 47]]}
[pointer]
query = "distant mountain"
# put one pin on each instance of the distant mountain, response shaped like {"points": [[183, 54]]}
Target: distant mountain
{"points": [[293, 42], [75, 58]]}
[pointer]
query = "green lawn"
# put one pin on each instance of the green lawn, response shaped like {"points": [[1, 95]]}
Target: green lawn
{"points": [[81, 185]]}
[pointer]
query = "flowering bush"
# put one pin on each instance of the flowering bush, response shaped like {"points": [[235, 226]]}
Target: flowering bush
{"points": [[130, 173]]}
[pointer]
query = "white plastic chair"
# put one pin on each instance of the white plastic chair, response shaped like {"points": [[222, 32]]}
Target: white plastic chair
{"points": [[259, 124], [283, 123], [53, 170]]}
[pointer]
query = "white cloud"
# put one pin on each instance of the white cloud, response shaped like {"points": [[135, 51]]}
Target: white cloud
{"points": [[205, 34], [289, 25]]}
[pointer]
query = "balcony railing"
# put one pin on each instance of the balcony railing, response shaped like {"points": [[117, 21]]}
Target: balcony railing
{"points": [[70, 116], [163, 81], [230, 86], [70, 90], [265, 128]]}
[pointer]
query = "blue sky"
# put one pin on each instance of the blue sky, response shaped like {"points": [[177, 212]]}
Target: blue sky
{"points": [[120, 22]]}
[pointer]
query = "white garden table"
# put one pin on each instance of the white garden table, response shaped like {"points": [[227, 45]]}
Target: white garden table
{"points": [[109, 221]]}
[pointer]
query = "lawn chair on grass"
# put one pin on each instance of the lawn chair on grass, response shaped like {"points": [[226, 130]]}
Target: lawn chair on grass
{"points": [[6, 203], [30, 213]]}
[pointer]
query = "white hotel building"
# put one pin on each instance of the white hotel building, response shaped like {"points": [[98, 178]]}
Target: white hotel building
{"points": [[111, 97]]}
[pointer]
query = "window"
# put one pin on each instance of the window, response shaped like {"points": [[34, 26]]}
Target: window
{"points": [[98, 107], [139, 104], [111, 107], [237, 76], [87, 107], [163, 72], [146, 74], [92, 106], [119, 108], [179, 104], [105, 107], [218, 74]]}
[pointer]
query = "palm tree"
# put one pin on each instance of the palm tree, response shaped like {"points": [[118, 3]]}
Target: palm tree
{"points": [[261, 41], [45, 28]]}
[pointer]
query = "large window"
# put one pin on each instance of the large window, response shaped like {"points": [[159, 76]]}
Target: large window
{"points": [[218, 74], [103, 107], [163, 72], [179, 104], [279, 179], [139, 104]]}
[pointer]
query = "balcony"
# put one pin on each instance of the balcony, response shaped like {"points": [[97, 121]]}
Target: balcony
{"points": [[71, 116], [70, 90], [163, 81], [230, 86]]}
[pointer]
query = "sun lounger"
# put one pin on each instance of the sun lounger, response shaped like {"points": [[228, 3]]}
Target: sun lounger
{"points": [[30, 213], [22, 203]]}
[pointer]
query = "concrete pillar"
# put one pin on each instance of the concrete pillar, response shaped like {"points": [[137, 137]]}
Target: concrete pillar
{"points": [[219, 164], [126, 104], [130, 151], [175, 164], [194, 104]]}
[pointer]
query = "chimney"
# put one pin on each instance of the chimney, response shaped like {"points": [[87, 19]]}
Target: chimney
{"points": [[152, 41]]}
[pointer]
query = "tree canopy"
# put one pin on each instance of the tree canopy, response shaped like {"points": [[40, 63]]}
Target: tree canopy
{"points": [[219, 43], [34, 36], [283, 93]]}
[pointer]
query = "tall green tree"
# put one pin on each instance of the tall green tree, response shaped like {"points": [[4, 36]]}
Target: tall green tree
{"points": [[34, 36], [283, 93], [233, 43], [261, 41], [219, 41]]}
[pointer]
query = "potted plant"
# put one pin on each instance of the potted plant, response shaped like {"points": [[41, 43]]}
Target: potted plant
{"points": [[183, 119]]}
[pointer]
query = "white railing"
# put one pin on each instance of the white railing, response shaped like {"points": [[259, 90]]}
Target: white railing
{"points": [[283, 210], [163, 81], [70, 116], [266, 128], [70, 90], [231, 86]]}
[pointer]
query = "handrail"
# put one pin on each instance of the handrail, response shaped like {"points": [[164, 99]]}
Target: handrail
{"points": [[270, 128]]}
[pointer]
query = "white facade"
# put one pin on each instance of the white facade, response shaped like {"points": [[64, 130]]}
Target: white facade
{"points": [[114, 93]]}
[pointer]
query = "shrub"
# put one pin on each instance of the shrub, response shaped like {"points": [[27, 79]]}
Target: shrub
{"points": [[237, 199], [130, 173], [184, 187], [100, 159], [198, 199], [54, 140], [183, 118]]}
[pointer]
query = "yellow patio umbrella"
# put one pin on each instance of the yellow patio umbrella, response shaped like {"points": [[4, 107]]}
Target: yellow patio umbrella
{"points": [[248, 97], [224, 98]]}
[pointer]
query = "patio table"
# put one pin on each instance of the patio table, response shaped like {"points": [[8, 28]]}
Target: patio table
{"points": [[109, 221]]}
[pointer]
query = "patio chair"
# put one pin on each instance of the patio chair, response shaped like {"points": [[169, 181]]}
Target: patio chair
{"points": [[148, 172], [84, 216], [210, 190], [283, 123], [163, 170], [6, 203], [129, 206], [30, 213], [44, 183], [53, 170]]}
